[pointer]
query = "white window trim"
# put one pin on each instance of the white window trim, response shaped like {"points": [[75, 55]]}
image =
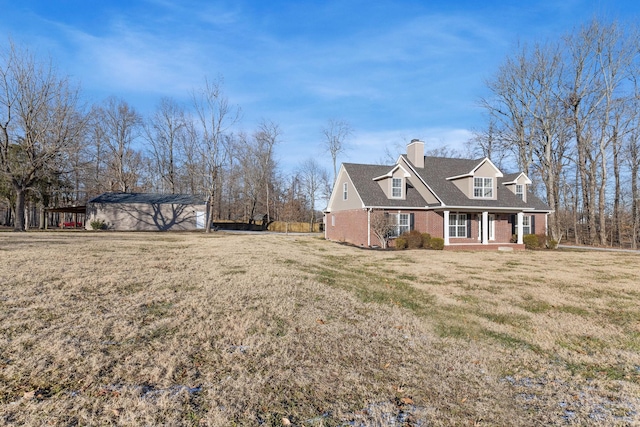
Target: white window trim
{"points": [[345, 193], [483, 188], [398, 228], [457, 225], [401, 188], [521, 192]]}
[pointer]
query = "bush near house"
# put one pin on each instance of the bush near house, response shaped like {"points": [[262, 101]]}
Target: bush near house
{"points": [[401, 243], [437, 243], [98, 224], [530, 241], [414, 239]]}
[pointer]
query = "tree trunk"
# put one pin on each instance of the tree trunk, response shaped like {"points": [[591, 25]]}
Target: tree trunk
{"points": [[207, 228], [602, 228], [19, 222], [617, 225]]}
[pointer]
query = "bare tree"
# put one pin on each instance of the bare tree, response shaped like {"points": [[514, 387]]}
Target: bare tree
{"points": [[336, 133], [509, 107], [267, 136], [313, 181], [489, 143], [598, 56], [215, 119], [382, 226], [562, 103], [165, 131], [40, 121], [255, 155], [119, 125]]}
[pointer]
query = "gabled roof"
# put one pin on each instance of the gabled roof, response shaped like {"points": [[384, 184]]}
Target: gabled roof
{"points": [[362, 177], [511, 178], [391, 171], [149, 198], [476, 165], [437, 169], [437, 174]]}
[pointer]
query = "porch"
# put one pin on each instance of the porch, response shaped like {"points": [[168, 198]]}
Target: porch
{"points": [[478, 230]]}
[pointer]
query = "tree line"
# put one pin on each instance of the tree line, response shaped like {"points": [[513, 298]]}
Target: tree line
{"points": [[57, 151], [567, 113]]}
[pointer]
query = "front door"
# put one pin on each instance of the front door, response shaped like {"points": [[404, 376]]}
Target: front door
{"points": [[491, 218]]}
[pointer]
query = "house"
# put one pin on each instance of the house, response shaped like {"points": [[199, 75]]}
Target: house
{"points": [[147, 211], [469, 203]]}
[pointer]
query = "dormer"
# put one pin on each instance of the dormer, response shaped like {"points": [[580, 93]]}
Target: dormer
{"points": [[518, 183], [481, 182], [394, 183]]}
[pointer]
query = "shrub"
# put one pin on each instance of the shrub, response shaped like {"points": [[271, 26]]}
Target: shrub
{"points": [[542, 240], [401, 243], [552, 244], [98, 224], [530, 241], [426, 240], [437, 243], [413, 238]]}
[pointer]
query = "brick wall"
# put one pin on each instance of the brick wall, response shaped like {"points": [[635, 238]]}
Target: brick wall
{"points": [[348, 226], [351, 226]]}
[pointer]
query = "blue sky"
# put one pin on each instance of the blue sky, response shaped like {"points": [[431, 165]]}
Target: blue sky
{"points": [[395, 70]]}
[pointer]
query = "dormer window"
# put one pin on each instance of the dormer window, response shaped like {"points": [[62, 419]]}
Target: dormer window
{"points": [[520, 191], [483, 188], [396, 188]]}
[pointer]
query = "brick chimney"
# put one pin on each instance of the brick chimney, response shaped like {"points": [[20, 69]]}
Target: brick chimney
{"points": [[415, 153]]}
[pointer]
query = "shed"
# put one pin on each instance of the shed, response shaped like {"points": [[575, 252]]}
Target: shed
{"points": [[147, 211]]}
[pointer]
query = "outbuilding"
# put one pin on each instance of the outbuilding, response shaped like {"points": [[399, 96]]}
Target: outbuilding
{"points": [[147, 212]]}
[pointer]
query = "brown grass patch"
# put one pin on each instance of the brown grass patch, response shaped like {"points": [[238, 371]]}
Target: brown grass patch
{"points": [[224, 329]]}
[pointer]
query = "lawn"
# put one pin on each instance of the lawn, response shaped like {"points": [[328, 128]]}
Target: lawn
{"points": [[225, 329]]}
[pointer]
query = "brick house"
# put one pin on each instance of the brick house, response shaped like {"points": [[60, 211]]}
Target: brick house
{"points": [[469, 203]]}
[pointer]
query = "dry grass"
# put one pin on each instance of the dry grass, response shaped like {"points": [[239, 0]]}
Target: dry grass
{"points": [[190, 329]]}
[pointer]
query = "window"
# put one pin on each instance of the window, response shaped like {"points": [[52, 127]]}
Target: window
{"points": [[344, 191], [396, 188], [457, 225], [483, 187], [333, 220], [401, 223], [520, 191], [526, 225]]}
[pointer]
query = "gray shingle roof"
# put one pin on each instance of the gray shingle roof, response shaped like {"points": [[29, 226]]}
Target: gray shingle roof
{"points": [[437, 169], [370, 191], [435, 174], [149, 198]]}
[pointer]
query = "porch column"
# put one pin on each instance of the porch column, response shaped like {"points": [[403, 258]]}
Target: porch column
{"points": [[368, 228], [446, 228], [485, 228], [520, 229]]}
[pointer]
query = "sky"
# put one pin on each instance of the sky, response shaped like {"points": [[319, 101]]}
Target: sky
{"points": [[394, 70]]}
